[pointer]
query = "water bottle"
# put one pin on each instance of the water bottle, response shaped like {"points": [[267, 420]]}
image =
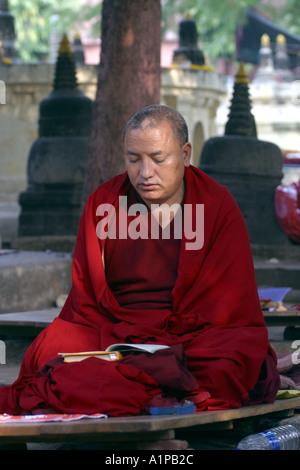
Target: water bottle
{"points": [[285, 437]]}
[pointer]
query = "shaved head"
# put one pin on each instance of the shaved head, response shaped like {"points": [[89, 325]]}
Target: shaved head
{"points": [[154, 115]]}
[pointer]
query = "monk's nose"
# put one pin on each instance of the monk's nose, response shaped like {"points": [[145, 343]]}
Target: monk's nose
{"points": [[146, 169]]}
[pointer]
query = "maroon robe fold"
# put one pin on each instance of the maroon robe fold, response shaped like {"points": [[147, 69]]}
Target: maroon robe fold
{"points": [[141, 272], [214, 313]]}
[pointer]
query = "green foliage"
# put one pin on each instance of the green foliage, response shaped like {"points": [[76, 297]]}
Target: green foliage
{"points": [[93, 15], [289, 17], [33, 24], [217, 20]]}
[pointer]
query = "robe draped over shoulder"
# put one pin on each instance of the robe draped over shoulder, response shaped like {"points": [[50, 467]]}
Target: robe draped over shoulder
{"points": [[213, 312], [141, 270]]}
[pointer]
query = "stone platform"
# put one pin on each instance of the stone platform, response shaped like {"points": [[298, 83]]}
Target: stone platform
{"points": [[32, 280], [275, 272]]}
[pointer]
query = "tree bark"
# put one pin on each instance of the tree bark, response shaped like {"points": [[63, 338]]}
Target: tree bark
{"points": [[128, 79]]}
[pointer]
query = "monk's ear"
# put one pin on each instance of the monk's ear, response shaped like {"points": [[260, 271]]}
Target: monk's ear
{"points": [[187, 153]]}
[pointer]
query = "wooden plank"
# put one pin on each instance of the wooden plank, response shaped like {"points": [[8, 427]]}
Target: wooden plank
{"points": [[115, 429], [282, 318]]}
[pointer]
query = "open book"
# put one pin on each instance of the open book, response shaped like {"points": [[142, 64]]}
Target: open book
{"points": [[113, 352]]}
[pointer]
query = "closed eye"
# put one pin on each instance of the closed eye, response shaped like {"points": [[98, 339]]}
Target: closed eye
{"points": [[133, 157], [157, 157]]}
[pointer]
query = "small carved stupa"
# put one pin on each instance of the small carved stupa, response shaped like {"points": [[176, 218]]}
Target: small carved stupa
{"points": [[283, 72], [7, 32], [241, 121], [78, 49], [265, 54], [65, 69], [265, 71], [50, 206], [188, 51], [66, 110]]}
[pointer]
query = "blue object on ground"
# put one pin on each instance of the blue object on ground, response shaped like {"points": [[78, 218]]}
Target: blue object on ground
{"points": [[182, 409], [276, 294]]}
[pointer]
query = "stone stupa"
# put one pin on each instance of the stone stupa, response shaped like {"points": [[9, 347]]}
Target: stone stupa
{"points": [[7, 32], [251, 169], [50, 205], [188, 50]]}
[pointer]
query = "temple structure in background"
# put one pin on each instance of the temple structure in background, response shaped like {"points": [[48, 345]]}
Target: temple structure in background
{"points": [[35, 165], [251, 169], [50, 205]]}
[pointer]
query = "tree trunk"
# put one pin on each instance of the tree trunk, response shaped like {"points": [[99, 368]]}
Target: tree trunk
{"points": [[129, 79]]}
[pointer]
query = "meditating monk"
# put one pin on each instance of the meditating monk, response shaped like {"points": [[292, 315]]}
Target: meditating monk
{"points": [[162, 256]]}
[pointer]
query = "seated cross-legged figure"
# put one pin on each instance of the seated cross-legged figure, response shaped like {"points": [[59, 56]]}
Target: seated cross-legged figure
{"points": [[162, 257]]}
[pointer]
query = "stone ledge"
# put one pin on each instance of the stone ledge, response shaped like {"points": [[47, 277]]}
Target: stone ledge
{"points": [[275, 272], [63, 243], [33, 280]]}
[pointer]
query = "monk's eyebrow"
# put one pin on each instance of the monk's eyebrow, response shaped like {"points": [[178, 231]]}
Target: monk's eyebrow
{"points": [[135, 154], [152, 154], [156, 153]]}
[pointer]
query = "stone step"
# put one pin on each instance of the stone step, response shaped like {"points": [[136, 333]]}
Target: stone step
{"points": [[17, 331], [26, 324], [33, 280], [9, 214], [279, 273]]}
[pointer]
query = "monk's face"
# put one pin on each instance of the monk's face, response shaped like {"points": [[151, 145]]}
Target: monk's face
{"points": [[155, 163]]}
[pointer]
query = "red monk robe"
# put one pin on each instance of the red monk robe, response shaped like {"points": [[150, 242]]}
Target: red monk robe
{"points": [[213, 311]]}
